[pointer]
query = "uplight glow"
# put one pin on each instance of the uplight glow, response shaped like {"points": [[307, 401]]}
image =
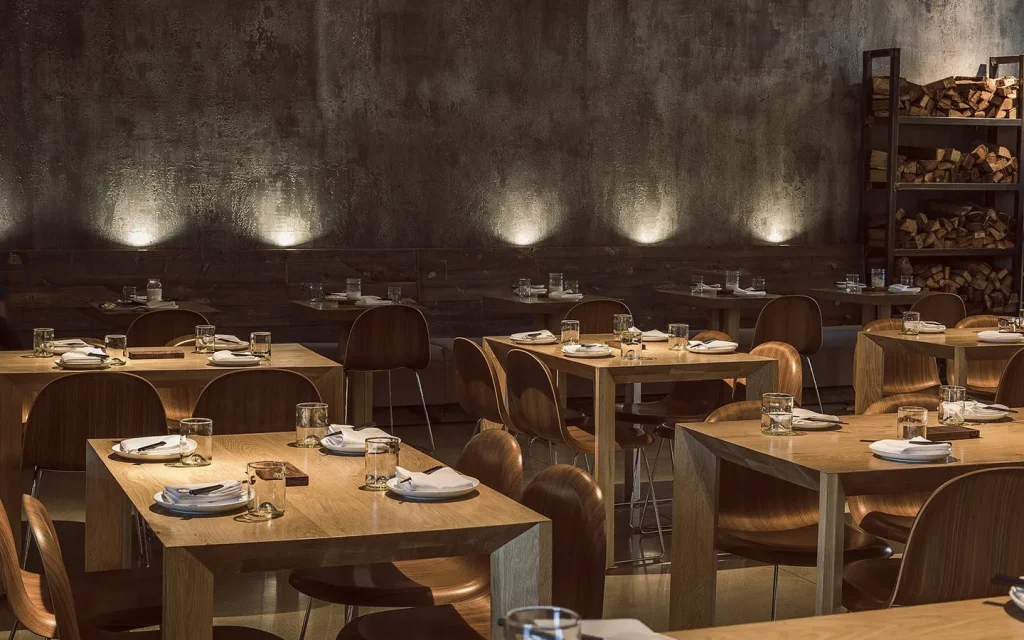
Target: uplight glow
{"points": [[285, 214], [524, 217], [140, 215]]}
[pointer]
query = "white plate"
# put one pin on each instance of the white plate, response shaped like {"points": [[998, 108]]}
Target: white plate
{"points": [[987, 415], [231, 346], [934, 457], [190, 446], [587, 354], [353, 449], [1003, 338], [237, 362], [200, 509], [1017, 595], [429, 496], [538, 341], [713, 352], [656, 339], [336, 297], [83, 366]]}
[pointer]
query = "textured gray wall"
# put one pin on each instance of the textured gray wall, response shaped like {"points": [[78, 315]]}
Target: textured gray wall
{"points": [[401, 123]]}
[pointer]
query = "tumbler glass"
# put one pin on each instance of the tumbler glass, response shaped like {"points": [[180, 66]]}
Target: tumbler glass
{"points": [[543, 623], [757, 284], [267, 483], [381, 459], [697, 284], [952, 400], [353, 288], [200, 431], [116, 346], [621, 322], [310, 423], [732, 280], [631, 344], [907, 281], [911, 323], [853, 283], [777, 414], [678, 336], [259, 344], [316, 291], [128, 293], [878, 279], [911, 422], [42, 343], [395, 295], [570, 332], [206, 338], [571, 287], [523, 289], [555, 283]]}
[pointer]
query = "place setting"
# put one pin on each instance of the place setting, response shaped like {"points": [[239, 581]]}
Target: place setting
{"points": [[561, 289], [912, 445], [227, 350], [732, 285], [541, 337]]}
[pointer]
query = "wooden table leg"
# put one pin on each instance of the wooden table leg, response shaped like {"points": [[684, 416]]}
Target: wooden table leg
{"points": [[831, 527], [631, 477], [868, 312], [883, 311], [958, 376], [764, 380], [10, 454], [604, 456], [331, 386], [694, 519], [521, 574], [867, 374], [188, 597], [108, 527], [714, 320], [360, 391], [732, 323], [562, 382]]}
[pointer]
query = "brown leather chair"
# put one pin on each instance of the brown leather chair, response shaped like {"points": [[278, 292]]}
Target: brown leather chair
{"points": [[902, 372], [795, 320], [50, 605], [388, 338], [966, 532], [947, 308], [1010, 391], [773, 521], [982, 375], [573, 502], [495, 459], [891, 515], [157, 328], [254, 400], [595, 316]]}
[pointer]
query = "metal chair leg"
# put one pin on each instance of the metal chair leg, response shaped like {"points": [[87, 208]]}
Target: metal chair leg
{"points": [[351, 613], [14, 629], [344, 411], [775, 591], [814, 381], [26, 545], [391, 409], [143, 537], [657, 518], [586, 460], [426, 413], [305, 619]]}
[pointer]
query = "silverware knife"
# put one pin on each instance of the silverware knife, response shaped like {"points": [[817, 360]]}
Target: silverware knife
{"points": [[427, 472], [148, 447], [201, 491], [1010, 581], [912, 442], [823, 420]]}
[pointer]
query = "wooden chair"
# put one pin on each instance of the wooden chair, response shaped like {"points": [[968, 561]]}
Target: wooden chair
{"points": [[773, 521], [791, 371], [902, 372], [573, 502], [157, 328], [494, 458], [891, 515], [187, 340], [476, 384], [795, 320], [966, 532], [1010, 391], [388, 338], [595, 316], [982, 375], [947, 308], [49, 605], [254, 400]]}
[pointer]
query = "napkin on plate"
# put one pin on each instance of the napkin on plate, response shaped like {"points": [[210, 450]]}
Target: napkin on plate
{"points": [[371, 302], [173, 445], [441, 480], [162, 304], [621, 629], [902, 288], [534, 336], [229, 339], [74, 343], [904, 448], [714, 345], [749, 293], [586, 348], [843, 284], [231, 492], [974, 409], [565, 296], [996, 336], [226, 356], [88, 354], [343, 435], [655, 334], [800, 416]]}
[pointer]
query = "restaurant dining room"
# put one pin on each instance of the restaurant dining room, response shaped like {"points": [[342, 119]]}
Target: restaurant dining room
{"points": [[512, 320]]}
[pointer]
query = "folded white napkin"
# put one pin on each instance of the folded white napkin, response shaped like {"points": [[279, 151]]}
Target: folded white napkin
{"points": [[162, 304], [974, 409], [441, 480], [800, 416], [173, 445], [230, 356], [714, 345], [902, 288], [565, 296], [87, 354], [928, 326], [228, 338], [371, 302], [343, 435], [232, 491], [996, 336], [534, 336], [654, 334], [749, 293], [843, 284], [71, 342], [903, 448], [586, 348], [622, 629]]}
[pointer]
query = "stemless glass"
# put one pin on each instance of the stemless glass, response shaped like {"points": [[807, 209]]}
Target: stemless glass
{"points": [[206, 338], [757, 284], [266, 489], [911, 323], [381, 456], [777, 414], [696, 284], [200, 431], [678, 336], [259, 344], [42, 343], [621, 322], [951, 405], [310, 423], [128, 293], [554, 283], [732, 280], [316, 291], [1006, 324], [116, 346], [547, 623], [911, 422], [353, 288], [631, 344], [570, 331], [907, 281], [523, 288], [878, 279], [395, 295], [853, 283], [571, 287]]}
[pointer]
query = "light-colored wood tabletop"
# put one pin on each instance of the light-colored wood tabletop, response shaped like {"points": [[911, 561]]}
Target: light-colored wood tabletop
{"points": [[547, 312], [332, 521], [873, 304], [989, 618], [660, 364], [724, 308], [836, 464], [958, 345]]}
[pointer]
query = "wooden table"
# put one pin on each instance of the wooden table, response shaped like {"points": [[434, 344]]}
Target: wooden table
{"points": [[333, 521], [546, 313], [874, 305], [836, 464], [659, 365], [958, 345], [22, 377], [122, 316], [990, 618], [724, 309]]}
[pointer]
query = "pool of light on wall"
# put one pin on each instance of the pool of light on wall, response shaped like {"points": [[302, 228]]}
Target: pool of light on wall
{"points": [[140, 212], [647, 217], [285, 214], [524, 217]]}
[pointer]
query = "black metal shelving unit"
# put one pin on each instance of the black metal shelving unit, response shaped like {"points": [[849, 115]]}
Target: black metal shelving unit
{"points": [[892, 188]]}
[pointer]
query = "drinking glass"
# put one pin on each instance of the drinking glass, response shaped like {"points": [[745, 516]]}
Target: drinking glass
{"points": [[678, 336], [259, 344], [878, 278], [951, 405], [631, 344], [42, 343], [395, 295], [316, 291], [206, 338], [777, 414], [523, 289], [907, 281], [1006, 324], [570, 331], [266, 489], [128, 293], [200, 431], [554, 283], [732, 280], [154, 290], [116, 346], [696, 284], [621, 322], [853, 283], [381, 456], [310, 423], [1020, 318], [911, 323], [353, 288], [543, 623], [571, 286], [757, 284], [911, 422]]}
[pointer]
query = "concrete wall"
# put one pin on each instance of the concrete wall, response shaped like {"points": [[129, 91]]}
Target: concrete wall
{"points": [[429, 123]]}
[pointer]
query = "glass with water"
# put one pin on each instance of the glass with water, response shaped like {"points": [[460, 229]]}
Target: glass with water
{"points": [[757, 283], [911, 323], [678, 336], [631, 344], [570, 331], [316, 291], [571, 287], [543, 623], [878, 279], [554, 283], [266, 489], [381, 460], [206, 338], [853, 283], [621, 322], [696, 284], [128, 293], [911, 422], [523, 289], [952, 401], [732, 280], [310, 423], [777, 414], [116, 346], [353, 289], [200, 431], [42, 343], [259, 344], [395, 295]]}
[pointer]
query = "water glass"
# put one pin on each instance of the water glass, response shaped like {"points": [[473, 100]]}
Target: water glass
{"points": [[554, 283], [697, 284], [631, 344], [571, 287], [381, 456], [267, 482], [678, 336], [757, 284], [200, 431], [1006, 324], [621, 322], [951, 405], [128, 293], [853, 283], [395, 295], [353, 288], [777, 414], [543, 623], [911, 422], [523, 289], [206, 338], [878, 279], [907, 281], [732, 280], [42, 343], [570, 331], [911, 323], [310, 423], [316, 291], [116, 346], [259, 344]]}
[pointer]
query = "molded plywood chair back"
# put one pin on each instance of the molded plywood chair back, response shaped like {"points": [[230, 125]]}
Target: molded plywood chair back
{"points": [[476, 383], [388, 338], [157, 328], [595, 316], [1011, 384], [902, 372], [947, 308], [255, 400], [494, 458]]}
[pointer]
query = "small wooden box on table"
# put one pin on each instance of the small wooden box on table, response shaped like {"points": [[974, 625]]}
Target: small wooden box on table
{"points": [[724, 309], [874, 305], [545, 312]]}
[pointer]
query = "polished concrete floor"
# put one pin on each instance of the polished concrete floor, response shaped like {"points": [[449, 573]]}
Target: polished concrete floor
{"points": [[266, 601]]}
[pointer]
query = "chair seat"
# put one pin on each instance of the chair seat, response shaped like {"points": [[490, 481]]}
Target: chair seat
{"points": [[986, 394], [411, 583], [467, 621], [888, 525], [798, 547], [868, 584], [626, 438], [655, 413], [575, 418], [118, 600], [666, 431]]}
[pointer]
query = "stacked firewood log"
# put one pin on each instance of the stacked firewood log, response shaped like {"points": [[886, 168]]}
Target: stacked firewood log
{"points": [[981, 285], [953, 97], [983, 163], [954, 226]]}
